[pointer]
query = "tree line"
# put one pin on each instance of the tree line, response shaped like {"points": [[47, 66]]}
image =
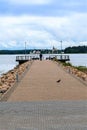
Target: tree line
{"points": [[44, 51], [74, 49]]}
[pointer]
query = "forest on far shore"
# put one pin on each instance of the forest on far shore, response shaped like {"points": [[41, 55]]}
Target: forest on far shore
{"points": [[74, 49]]}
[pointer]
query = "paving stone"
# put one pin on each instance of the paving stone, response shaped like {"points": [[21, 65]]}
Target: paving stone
{"points": [[48, 115]]}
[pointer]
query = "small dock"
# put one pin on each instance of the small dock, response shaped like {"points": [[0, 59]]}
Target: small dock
{"points": [[22, 59], [62, 58]]}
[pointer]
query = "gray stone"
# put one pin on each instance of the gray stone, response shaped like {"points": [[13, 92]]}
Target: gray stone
{"points": [[50, 115]]}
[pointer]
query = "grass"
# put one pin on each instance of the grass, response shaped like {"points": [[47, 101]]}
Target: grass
{"points": [[82, 68], [67, 64]]}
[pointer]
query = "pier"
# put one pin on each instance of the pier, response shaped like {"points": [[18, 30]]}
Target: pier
{"points": [[40, 84], [47, 98], [62, 58], [22, 59]]}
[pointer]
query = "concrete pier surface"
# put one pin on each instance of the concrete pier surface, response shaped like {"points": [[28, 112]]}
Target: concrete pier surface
{"points": [[40, 84], [48, 115], [39, 102]]}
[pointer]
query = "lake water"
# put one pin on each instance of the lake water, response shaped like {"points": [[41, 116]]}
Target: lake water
{"points": [[8, 62]]}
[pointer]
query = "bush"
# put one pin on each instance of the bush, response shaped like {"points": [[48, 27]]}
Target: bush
{"points": [[67, 64], [82, 68]]}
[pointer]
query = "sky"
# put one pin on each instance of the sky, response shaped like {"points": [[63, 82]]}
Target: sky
{"points": [[42, 24]]}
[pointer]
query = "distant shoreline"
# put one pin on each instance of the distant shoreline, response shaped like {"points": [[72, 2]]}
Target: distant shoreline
{"points": [[69, 50]]}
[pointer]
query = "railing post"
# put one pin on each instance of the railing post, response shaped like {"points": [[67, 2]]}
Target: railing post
{"points": [[17, 77]]}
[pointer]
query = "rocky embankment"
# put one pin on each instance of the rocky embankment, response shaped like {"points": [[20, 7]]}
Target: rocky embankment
{"points": [[10, 78], [76, 72], [73, 70]]}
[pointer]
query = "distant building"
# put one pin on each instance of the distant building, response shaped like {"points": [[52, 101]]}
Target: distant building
{"points": [[54, 50]]}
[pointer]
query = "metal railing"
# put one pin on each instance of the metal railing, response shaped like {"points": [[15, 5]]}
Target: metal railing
{"points": [[18, 58], [26, 58], [64, 57], [60, 57]]}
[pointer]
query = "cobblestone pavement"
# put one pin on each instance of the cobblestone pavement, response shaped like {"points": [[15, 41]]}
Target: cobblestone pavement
{"points": [[48, 115]]}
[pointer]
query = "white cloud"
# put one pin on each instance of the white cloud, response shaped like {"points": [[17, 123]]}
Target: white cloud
{"points": [[12, 43], [83, 43], [43, 32], [29, 2], [3, 44]]}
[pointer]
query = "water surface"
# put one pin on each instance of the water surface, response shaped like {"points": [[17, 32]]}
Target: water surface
{"points": [[8, 62]]}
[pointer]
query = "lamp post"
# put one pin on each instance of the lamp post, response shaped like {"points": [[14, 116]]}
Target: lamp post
{"points": [[25, 48], [61, 48]]}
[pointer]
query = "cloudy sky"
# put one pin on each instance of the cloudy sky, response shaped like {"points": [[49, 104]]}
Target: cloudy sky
{"points": [[42, 23]]}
